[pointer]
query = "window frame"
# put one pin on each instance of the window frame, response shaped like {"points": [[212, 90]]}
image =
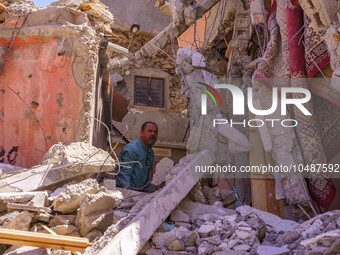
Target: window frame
{"points": [[163, 93]]}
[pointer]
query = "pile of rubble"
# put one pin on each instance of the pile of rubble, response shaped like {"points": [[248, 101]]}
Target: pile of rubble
{"points": [[200, 224], [202, 229], [78, 208]]}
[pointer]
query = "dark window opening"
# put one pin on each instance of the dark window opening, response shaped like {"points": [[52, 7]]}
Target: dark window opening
{"points": [[149, 91]]}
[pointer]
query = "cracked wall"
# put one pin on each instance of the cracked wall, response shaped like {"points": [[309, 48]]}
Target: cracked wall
{"points": [[47, 82]]}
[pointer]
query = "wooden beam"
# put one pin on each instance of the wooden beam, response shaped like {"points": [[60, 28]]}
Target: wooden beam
{"points": [[42, 240], [2, 7], [262, 185], [133, 237]]}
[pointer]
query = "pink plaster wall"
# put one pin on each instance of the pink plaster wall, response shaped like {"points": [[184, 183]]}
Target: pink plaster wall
{"points": [[40, 101]]}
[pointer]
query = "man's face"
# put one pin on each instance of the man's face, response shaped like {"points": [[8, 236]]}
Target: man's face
{"points": [[149, 135]]}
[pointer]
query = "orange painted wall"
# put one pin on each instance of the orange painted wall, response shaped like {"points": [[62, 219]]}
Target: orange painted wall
{"points": [[40, 102], [188, 37]]}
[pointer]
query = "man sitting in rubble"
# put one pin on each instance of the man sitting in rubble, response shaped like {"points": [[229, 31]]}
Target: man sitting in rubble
{"points": [[136, 160]]}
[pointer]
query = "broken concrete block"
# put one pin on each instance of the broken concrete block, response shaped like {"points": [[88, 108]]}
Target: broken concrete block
{"points": [[21, 197], [44, 217], [62, 220], [315, 241], [152, 215], [191, 238], [214, 240], [206, 248], [96, 211], [93, 235], [228, 197], [196, 194], [59, 164], [153, 251], [28, 207], [163, 167], [7, 168], [204, 230], [174, 244], [25, 250], [196, 210], [16, 220], [271, 250], [276, 222], [243, 234], [242, 247], [178, 215], [211, 195], [313, 230], [179, 224], [64, 229], [69, 200], [160, 238], [211, 217]]}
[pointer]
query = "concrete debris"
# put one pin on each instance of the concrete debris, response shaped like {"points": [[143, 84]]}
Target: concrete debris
{"points": [[21, 7], [37, 203], [196, 210], [25, 250], [62, 220], [28, 207], [154, 213], [22, 197], [272, 250], [196, 228], [271, 220], [179, 215], [240, 233], [94, 235], [59, 164], [6, 168], [42, 217], [69, 200], [17, 220], [65, 229], [163, 167], [96, 212]]}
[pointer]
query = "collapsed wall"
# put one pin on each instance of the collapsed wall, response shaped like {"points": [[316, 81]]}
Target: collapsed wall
{"points": [[48, 67]]}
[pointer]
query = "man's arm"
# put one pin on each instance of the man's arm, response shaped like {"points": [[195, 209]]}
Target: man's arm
{"points": [[126, 169]]}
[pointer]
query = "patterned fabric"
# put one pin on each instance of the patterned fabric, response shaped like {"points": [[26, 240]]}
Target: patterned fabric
{"points": [[321, 187], [316, 51], [286, 56], [274, 62], [328, 118]]}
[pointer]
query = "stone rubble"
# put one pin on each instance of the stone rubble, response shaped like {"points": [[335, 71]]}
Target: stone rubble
{"points": [[246, 231], [199, 225]]}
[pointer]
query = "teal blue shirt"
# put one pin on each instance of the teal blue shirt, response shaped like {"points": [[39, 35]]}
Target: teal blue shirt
{"points": [[135, 175]]}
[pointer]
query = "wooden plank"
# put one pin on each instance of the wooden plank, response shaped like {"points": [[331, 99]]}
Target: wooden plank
{"points": [[2, 7], [42, 240], [40, 245], [54, 233], [262, 186]]}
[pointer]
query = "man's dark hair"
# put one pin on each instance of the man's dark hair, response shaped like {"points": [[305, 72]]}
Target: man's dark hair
{"points": [[148, 122]]}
